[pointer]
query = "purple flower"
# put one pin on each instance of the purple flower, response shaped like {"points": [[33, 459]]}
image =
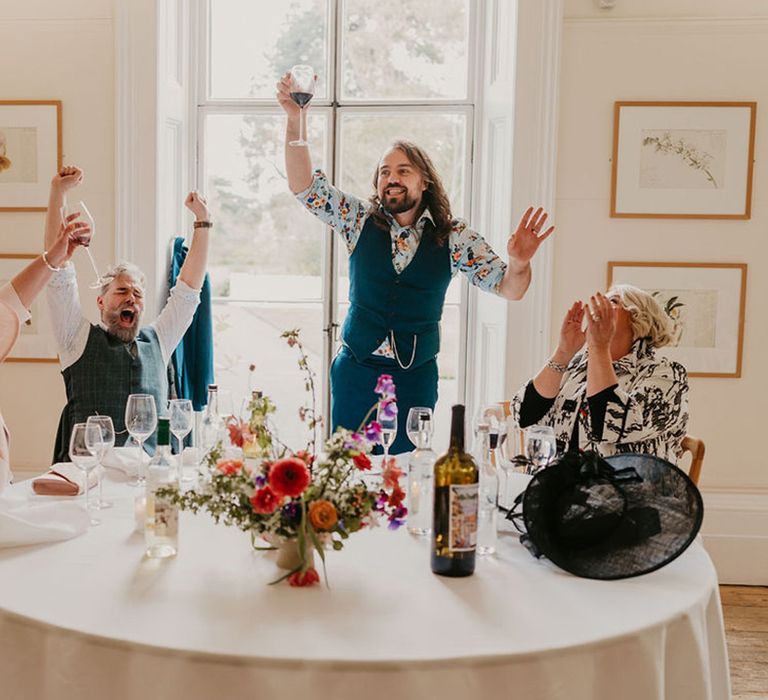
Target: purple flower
{"points": [[259, 480], [385, 387], [290, 513], [394, 524], [355, 442], [388, 409], [373, 431]]}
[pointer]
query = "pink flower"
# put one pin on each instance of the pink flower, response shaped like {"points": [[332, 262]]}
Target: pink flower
{"points": [[385, 387], [304, 578], [391, 474], [373, 431], [265, 501], [362, 462], [388, 409], [289, 477], [229, 467]]}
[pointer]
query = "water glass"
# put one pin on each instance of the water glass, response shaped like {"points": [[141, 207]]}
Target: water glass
{"points": [[107, 442], [388, 422], [141, 421], [84, 457], [181, 419], [419, 420], [540, 446]]}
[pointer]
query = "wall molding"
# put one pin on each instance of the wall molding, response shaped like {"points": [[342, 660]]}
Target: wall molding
{"points": [[735, 534]]}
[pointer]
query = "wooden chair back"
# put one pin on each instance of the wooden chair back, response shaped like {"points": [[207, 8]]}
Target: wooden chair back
{"points": [[696, 447]]}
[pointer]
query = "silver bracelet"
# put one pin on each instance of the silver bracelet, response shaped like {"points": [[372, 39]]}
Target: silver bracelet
{"points": [[557, 367], [48, 265]]}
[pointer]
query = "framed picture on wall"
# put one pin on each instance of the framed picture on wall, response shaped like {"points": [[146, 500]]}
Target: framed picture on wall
{"points": [[30, 152], [683, 160], [36, 342], [707, 298]]}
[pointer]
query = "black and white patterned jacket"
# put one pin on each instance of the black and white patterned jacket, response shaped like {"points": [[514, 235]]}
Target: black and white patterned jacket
{"points": [[650, 416]]}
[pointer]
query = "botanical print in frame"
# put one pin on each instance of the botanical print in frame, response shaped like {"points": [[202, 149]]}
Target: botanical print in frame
{"points": [[30, 152], [684, 160], [36, 342], [708, 299]]}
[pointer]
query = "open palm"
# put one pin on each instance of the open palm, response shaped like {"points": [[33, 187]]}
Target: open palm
{"points": [[525, 241]]}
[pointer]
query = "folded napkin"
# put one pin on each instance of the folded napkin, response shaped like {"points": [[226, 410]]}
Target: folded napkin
{"points": [[63, 479], [125, 459], [35, 523]]}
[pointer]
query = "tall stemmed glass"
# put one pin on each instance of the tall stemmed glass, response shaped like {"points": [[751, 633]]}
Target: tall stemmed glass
{"points": [[107, 442], [83, 215], [416, 422], [386, 415], [181, 425], [141, 421], [84, 457], [302, 91]]}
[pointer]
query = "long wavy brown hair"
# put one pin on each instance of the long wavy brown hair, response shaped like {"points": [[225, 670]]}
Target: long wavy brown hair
{"points": [[433, 197]]}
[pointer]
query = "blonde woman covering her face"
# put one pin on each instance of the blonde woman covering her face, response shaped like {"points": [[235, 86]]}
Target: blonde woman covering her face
{"points": [[604, 387]]}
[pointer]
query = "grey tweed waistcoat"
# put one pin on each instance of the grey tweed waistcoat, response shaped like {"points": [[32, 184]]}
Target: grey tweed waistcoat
{"points": [[103, 378]]}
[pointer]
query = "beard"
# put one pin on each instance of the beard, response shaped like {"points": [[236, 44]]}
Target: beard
{"points": [[115, 326], [397, 204]]}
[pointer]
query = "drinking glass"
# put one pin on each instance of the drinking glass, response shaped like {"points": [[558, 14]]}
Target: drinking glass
{"points": [[302, 90], [107, 442], [388, 423], [84, 457], [141, 421], [181, 416], [415, 421], [540, 445], [492, 415], [85, 216]]}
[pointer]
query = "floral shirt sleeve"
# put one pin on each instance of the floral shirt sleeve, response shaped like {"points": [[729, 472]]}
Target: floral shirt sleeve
{"points": [[344, 213], [472, 255]]}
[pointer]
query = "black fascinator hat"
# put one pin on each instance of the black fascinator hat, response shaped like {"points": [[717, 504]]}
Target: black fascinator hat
{"points": [[610, 518]]}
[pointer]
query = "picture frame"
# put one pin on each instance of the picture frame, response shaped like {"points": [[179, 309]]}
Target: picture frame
{"points": [[683, 160], [30, 152], [709, 299], [36, 342]]}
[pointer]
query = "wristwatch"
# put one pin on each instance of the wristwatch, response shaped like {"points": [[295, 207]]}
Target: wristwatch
{"points": [[202, 224]]}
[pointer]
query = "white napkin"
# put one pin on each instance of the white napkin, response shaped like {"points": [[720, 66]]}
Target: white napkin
{"points": [[125, 459], [35, 523]]}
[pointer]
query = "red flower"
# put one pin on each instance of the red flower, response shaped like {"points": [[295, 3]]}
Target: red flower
{"points": [[289, 477], [238, 432], [229, 467], [397, 496], [265, 501], [362, 462], [304, 578]]}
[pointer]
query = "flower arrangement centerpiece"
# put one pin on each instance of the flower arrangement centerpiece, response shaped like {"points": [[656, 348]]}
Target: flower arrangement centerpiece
{"points": [[303, 501]]}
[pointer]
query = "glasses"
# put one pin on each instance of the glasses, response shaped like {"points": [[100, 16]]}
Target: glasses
{"points": [[82, 214], [386, 415], [540, 446], [141, 421], [181, 417], [85, 442], [101, 448], [419, 426], [302, 91]]}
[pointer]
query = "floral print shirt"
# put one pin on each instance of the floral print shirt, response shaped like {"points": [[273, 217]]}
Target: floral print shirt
{"points": [[347, 214], [648, 414]]}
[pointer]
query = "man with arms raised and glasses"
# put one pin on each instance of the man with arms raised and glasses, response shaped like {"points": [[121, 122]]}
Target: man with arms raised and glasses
{"points": [[404, 246], [104, 363]]}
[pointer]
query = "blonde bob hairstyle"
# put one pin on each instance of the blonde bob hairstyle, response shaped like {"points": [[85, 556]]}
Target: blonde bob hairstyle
{"points": [[126, 269], [649, 318]]}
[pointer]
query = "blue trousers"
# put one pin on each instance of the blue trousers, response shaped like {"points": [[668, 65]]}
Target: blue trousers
{"points": [[352, 391]]}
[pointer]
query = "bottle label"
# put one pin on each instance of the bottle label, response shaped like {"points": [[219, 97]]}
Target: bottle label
{"points": [[462, 524]]}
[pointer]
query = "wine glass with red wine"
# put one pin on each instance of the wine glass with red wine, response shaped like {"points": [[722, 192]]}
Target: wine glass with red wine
{"points": [[302, 91]]}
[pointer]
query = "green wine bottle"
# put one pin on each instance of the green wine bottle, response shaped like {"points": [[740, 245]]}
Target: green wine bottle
{"points": [[454, 531]]}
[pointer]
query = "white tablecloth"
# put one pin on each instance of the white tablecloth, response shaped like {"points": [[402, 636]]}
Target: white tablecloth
{"points": [[92, 618]]}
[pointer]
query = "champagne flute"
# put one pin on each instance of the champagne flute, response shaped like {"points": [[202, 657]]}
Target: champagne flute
{"points": [[302, 91], [107, 442], [181, 416], [540, 445], [141, 421], [83, 215], [84, 457], [419, 418], [386, 415]]}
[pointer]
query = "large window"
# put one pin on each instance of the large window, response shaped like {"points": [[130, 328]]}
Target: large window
{"points": [[387, 70]]}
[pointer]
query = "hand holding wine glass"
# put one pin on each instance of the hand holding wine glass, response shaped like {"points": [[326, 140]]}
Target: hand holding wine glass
{"points": [[85, 443], [141, 421], [301, 90]]}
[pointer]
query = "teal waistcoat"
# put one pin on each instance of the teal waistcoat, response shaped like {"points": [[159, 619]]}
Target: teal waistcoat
{"points": [[405, 307], [102, 379]]}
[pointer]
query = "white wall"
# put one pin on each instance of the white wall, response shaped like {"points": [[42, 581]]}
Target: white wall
{"points": [[686, 50], [64, 51]]}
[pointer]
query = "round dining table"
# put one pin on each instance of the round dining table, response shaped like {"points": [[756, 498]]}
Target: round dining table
{"points": [[93, 618]]}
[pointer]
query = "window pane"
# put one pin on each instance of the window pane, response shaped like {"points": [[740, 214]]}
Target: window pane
{"points": [[266, 246], [253, 42], [249, 333], [403, 49]]}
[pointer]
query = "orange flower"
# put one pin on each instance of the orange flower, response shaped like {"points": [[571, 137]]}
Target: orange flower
{"points": [[391, 474], [322, 515], [229, 467]]}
